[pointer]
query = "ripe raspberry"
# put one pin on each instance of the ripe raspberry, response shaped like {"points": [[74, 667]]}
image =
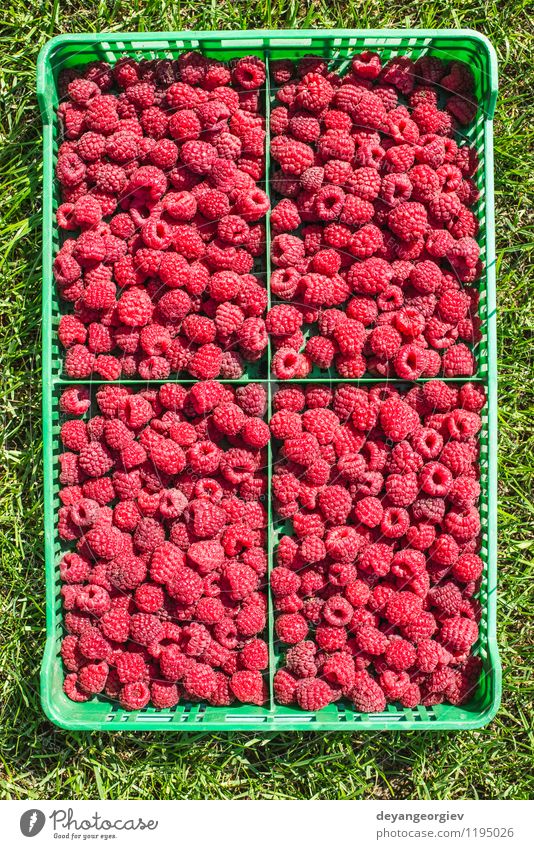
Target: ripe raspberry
{"points": [[248, 687], [92, 677], [408, 220], [400, 654], [458, 634], [93, 645], [254, 655], [291, 628], [294, 157], [335, 504], [134, 696], [285, 686], [313, 694], [73, 689], [367, 695], [467, 568], [205, 364], [397, 419], [248, 73]]}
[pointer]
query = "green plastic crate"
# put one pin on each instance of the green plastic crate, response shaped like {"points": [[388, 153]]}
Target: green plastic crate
{"points": [[336, 45]]}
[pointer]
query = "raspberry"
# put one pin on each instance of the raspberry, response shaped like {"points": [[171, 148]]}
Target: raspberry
{"points": [[458, 634], [335, 504], [248, 687], [75, 401], [92, 677], [291, 628], [321, 351], [248, 73], [198, 156], [105, 542], [134, 308], [300, 659], [366, 694], [73, 689], [294, 157], [400, 654], [164, 695], [254, 655], [467, 568], [173, 663], [205, 364], [134, 696], [250, 620], [252, 399], [302, 449], [255, 433], [285, 686], [93, 645], [284, 581], [115, 625], [397, 419], [313, 694], [283, 319]]}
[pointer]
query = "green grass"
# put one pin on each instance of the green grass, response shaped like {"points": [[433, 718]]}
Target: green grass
{"points": [[39, 761]]}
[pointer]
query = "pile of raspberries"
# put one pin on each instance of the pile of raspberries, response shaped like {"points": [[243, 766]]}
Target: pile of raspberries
{"points": [[161, 496], [373, 242], [163, 490], [162, 214], [375, 588]]}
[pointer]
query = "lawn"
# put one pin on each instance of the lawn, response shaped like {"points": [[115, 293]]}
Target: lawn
{"points": [[39, 761]]}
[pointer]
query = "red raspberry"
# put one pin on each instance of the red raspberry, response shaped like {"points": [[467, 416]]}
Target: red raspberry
{"points": [[370, 276], [291, 628], [400, 654], [285, 686], [248, 73], [300, 659], [250, 620], [240, 579], [255, 433], [283, 319], [248, 687], [458, 634], [369, 511], [408, 220], [366, 693], [92, 677], [397, 419], [467, 568], [73, 689], [71, 654], [75, 401], [174, 663], [134, 696], [252, 399], [254, 655], [294, 157], [198, 156], [164, 694], [205, 364], [93, 645], [335, 504], [313, 694], [135, 308], [284, 581], [302, 449]]}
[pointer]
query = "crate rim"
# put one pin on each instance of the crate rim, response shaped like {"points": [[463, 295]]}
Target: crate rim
{"points": [[49, 382]]}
